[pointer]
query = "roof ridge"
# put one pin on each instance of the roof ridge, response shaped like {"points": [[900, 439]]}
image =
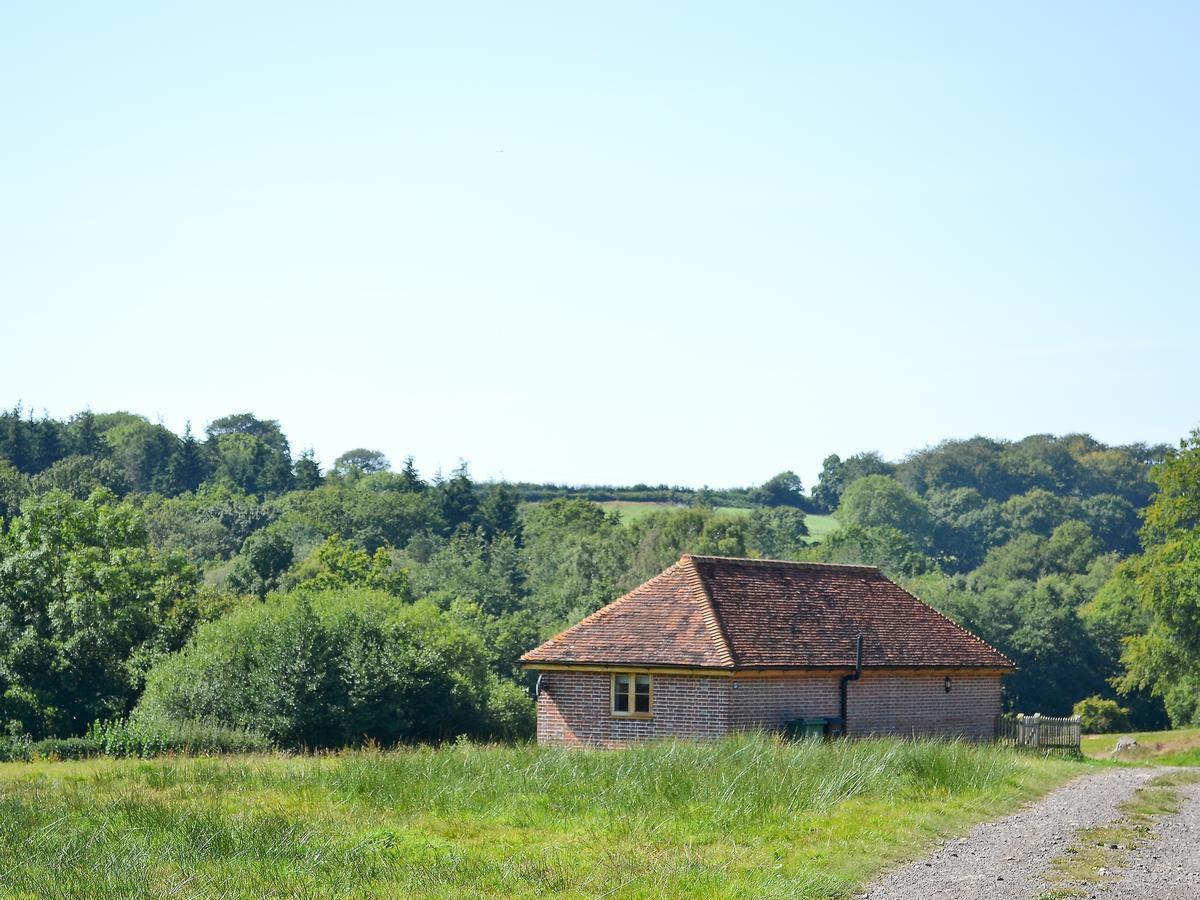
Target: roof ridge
{"points": [[964, 630], [796, 563], [712, 622]]}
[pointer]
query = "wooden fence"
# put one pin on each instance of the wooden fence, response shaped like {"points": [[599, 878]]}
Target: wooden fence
{"points": [[1039, 732]]}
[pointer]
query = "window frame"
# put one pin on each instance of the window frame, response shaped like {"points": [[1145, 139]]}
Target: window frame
{"points": [[632, 713]]}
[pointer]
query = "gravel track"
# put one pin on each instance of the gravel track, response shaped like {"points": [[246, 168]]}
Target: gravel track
{"points": [[1005, 859], [1168, 866]]}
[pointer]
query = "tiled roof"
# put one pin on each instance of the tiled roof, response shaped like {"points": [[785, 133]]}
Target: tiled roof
{"points": [[717, 612]]}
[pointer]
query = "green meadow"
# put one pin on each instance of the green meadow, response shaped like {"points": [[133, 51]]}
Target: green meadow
{"points": [[819, 526], [746, 817]]}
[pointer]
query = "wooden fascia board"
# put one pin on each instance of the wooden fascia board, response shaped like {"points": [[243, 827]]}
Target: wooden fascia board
{"points": [[799, 672]]}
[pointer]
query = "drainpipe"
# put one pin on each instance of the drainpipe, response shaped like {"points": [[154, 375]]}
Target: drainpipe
{"points": [[854, 676]]}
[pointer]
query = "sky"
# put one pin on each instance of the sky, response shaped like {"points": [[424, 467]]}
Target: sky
{"points": [[687, 243]]}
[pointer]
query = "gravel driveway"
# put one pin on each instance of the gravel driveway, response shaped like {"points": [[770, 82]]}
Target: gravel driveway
{"points": [[1169, 865], [1004, 859]]}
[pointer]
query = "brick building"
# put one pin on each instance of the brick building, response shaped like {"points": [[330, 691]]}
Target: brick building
{"points": [[714, 645]]}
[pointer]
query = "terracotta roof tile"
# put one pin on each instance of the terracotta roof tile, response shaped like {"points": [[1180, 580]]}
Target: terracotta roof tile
{"points": [[707, 611]]}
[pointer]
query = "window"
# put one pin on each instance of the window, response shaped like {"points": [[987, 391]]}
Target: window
{"points": [[631, 695]]}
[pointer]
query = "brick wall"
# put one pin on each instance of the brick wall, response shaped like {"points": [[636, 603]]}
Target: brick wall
{"points": [[770, 703], [574, 708], [917, 703]]}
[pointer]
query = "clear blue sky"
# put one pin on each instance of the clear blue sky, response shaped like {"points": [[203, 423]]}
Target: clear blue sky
{"points": [[680, 242]]}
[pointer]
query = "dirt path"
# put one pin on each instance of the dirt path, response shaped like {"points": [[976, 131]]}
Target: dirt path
{"points": [[1168, 866], [1005, 859]]}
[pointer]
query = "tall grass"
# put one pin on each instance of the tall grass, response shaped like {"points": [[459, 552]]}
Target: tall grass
{"points": [[745, 817]]}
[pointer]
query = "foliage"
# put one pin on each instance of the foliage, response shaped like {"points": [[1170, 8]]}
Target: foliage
{"points": [[360, 461], [1100, 715], [1021, 541], [1166, 578], [329, 669], [145, 737], [81, 595], [784, 489]]}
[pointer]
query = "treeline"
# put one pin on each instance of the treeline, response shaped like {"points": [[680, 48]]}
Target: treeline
{"points": [[220, 581], [1015, 540], [224, 582]]}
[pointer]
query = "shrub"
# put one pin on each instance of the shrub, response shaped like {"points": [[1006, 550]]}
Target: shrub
{"points": [[512, 714], [1100, 716], [66, 748], [144, 737], [331, 669]]}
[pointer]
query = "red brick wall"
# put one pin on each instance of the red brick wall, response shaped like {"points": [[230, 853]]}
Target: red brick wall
{"points": [[573, 708], [770, 703], [917, 703]]}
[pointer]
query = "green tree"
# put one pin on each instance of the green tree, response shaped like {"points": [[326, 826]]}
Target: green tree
{"points": [[879, 501], [360, 461], [784, 489], [777, 533], [80, 594], [837, 473], [307, 472], [266, 555], [187, 467], [1166, 659]]}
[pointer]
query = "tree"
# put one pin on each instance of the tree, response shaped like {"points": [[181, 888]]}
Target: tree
{"points": [[307, 472], [80, 595], [456, 498], [497, 513], [187, 467], [777, 533], [143, 451], [85, 436], [880, 501], [412, 478], [79, 476], [250, 454], [266, 556], [360, 461], [784, 489], [1166, 659], [837, 473]]}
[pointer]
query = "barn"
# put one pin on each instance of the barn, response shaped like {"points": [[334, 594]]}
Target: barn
{"points": [[715, 645]]}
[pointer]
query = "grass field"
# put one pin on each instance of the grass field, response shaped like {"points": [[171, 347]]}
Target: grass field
{"points": [[631, 510], [819, 527], [1180, 747], [747, 817]]}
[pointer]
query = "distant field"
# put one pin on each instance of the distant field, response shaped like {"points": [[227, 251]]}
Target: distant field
{"points": [[1178, 747], [819, 527], [748, 817], [632, 510]]}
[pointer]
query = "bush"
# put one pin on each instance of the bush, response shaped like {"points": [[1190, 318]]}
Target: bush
{"points": [[1100, 716], [331, 669], [145, 737], [66, 748]]}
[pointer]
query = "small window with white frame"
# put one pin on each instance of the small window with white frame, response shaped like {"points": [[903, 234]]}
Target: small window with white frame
{"points": [[632, 695]]}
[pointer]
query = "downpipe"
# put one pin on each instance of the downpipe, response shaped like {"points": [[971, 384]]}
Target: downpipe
{"points": [[846, 679]]}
